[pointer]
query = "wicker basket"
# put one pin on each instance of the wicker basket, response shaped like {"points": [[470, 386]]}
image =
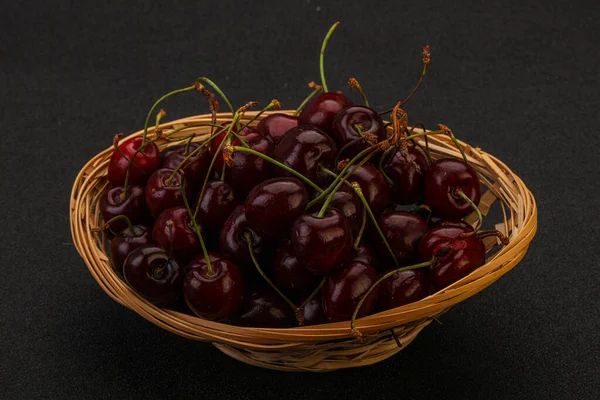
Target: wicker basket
{"points": [[323, 347]]}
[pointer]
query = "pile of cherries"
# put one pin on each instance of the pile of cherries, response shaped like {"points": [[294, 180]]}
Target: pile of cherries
{"points": [[322, 216]]}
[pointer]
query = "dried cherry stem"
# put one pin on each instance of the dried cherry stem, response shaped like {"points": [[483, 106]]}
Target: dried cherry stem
{"points": [[479, 216], [426, 150], [353, 83], [157, 103], [322, 55], [316, 89], [361, 231], [216, 89], [503, 239], [112, 220], [211, 273], [232, 149], [273, 104], [355, 331], [297, 310], [160, 115], [361, 196]]}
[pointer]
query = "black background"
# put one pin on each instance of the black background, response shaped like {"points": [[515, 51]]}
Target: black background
{"points": [[517, 79]]}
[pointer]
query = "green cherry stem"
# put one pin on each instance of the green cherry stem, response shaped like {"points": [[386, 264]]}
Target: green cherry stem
{"points": [[346, 147], [361, 232], [382, 160], [197, 230], [218, 90], [157, 103], [314, 293], [322, 55], [113, 220], [316, 89], [477, 211], [160, 115], [353, 83], [355, 331], [273, 104]]}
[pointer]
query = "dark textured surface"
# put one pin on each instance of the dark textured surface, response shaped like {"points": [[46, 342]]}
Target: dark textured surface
{"points": [[518, 80]]}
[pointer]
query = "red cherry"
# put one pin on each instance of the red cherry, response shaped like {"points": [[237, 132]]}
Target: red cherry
{"points": [[403, 231], [263, 308], [194, 169], [125, 242], [408, 182], [217, 204], [291, 277], [276, 125], [164, 192], [249, 170], [322, 110], [313, 312], [199, 261], [345, 130], [373, 185], [232, 240], [402, 288], [144, 163], [174, 231], [133, 206], [365, 255]]}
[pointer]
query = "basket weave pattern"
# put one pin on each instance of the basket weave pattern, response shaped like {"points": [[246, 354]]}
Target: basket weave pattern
{"points": [[322, 347]]}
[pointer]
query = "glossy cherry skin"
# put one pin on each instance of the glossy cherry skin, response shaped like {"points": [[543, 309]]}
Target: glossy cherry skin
{"points": [[263, 308], [133, 206], [249, 170], [345, 131], [373, 185], [232, 240], [322, 110], [174, 231], [346, 201], [408, 181], [291, 277], [194, 169], [162, 194], [152, 273], [322, 244], [276, 125], [125, 242], [456, 256], [365, 255], [199, 261], [442, 181], [146, 161], [214, 296], [313, 312], [403, 231], [303, 148], [273, 205], [345, 287], [402, 288], [217, 204]]}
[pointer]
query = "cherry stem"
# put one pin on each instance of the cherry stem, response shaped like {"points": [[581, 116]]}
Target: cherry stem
{"points": [[355, 331], [346, 147], [322, 55], [114, 219], [163, 98], [353, 83], [269, 282], [426, 150], [385, 154], [218, 90], [160, 115], [233, 149], [197, 230], [314, 293], [361, 232], [426, 208], [503, 239], [445, 131], [316, 89], [273, 104], [479, 216]]}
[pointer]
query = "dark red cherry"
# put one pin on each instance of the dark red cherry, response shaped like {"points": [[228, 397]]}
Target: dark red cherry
{"points": [[273, 205], [153, 274], [373, 185], [199, 261], [144, 164], [322, 244], [408, 181], [276, 125], [403, 231], [456, 256], [443, 180], [232, 240], [346, 201], [125, 242], [173, 231], [303, 148], [313, 312], [453, 224], [215, 295], [249, 170], [365, 255], [162, 192], [194, 169], [322, 110], [263, 308], [133, 206], [345, 130], [291, 277], [345, 287], [402, 288], [217, 204]]}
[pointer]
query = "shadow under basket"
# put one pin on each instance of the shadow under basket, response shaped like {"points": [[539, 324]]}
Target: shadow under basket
{"points": [[322, 347]]}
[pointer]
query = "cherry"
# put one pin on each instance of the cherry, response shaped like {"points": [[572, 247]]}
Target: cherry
{"points": [[291, 277], [153, 274], [144, 163], [194, 169], [276, 125], [373, 185], [263, 308], [322, 110], [403, 231], [163, 190], [217, 204], [133, 206], [302, 149], [125, 242], [402, 288], [233, 242], [322, 244], [273, 205], [458, 252], [173, 231], [346, 201], [345, 128], [313, 312], [216, 293], [444, 181], [248, 170], [365, 255], [408, 181], [199, 261], [344, 289]]}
